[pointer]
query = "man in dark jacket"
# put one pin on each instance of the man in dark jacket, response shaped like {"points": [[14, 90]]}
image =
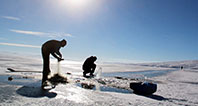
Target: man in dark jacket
{"points": [[50, 47], [89, 66]]}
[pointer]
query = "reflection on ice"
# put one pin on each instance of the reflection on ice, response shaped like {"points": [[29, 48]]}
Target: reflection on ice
{"points": [[71, 64], [103, 88], [73, 93], [98, 73], [138, 74]]}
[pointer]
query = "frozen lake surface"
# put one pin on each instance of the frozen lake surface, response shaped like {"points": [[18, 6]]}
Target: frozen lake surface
{"points": [[138, 74], [174, 87]]}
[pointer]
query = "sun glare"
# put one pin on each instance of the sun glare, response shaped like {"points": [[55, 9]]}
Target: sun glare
{"points": [[76, 3], [78, 8]]}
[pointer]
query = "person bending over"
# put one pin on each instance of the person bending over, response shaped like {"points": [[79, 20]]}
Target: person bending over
{"points": [[51, 47]]}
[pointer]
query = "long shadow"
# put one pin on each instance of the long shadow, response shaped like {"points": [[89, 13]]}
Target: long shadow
{"points": [[30, 87], [35, 92], [160, 98], [157, 97], [153, 96]]}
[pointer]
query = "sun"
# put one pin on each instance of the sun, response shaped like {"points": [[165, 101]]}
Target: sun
{"points": [[76, 3], [77, 9]]}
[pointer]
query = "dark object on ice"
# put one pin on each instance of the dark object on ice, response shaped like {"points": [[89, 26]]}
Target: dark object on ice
{"points": [[10, 69], [121, 78], [89, 66], [68, 73], [87, 86], [56, 79], [101, 81], [182, 67], [91, 76], [51, 47], [10, 78], [13, 70], [25, 77], [143, 88]]}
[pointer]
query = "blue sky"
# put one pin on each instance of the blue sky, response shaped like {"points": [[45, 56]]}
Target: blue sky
{"points": [[113, 30]]}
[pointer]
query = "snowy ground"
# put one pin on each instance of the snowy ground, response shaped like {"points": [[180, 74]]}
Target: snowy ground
{"points": [[174, 88]]}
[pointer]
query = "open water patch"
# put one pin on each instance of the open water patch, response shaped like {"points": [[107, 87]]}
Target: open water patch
{"points": [[138, 74], [16, 80], [103, 88]]}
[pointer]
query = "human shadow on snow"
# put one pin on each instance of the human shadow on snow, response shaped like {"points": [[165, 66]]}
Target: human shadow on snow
{"points": [[35, 92]]}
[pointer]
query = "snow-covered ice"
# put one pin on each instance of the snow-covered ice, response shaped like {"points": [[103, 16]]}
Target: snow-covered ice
{"points": [[177, 87]]}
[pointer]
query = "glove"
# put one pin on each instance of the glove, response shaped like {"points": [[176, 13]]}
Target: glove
{"points": [[60, 59]]}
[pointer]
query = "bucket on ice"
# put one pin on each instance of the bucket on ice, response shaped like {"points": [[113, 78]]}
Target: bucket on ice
{"points": [[143, 88]]}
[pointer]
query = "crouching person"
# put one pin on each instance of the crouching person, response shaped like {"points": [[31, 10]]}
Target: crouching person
{"points": [[89, 66]]}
